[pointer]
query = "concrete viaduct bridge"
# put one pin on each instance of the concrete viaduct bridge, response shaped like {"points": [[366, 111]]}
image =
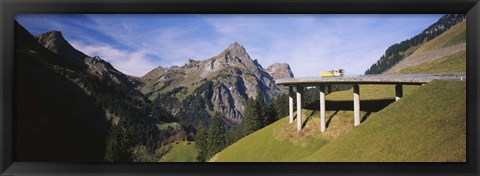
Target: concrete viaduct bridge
{"points": [[397, 79]]}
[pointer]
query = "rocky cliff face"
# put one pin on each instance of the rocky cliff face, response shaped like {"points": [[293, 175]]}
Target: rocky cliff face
{"points": [[235, 77], [90, 71], [55, 42], [279, 70]]}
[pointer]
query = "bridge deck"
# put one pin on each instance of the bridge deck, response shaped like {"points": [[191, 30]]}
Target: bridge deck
{"points": [[371, 79]]}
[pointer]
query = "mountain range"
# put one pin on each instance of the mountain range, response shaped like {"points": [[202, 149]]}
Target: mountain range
{"points": [[232, 77], [100, 97]]}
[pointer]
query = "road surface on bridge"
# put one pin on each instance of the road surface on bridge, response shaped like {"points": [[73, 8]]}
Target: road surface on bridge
{"points": [[370, 79]]}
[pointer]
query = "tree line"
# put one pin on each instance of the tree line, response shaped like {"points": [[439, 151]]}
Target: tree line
{"points": [[397, 52], [214, 137]]}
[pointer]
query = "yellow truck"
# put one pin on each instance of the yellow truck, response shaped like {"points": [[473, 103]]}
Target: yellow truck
{"points": [[334, 72]]}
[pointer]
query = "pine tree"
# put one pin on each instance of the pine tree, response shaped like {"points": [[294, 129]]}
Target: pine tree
{"points": [[262, 113], [251, 120], [119, 144], [216, 135], [279, 104], [201, 142]]}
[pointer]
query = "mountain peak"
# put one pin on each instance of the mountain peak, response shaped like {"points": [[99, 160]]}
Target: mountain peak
{"points": [[280, 70], [52, 40], [236, 50], [52, 35], [235, 45], [55, 42]]}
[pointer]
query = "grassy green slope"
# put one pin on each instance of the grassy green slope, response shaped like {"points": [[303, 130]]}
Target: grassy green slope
{"points": [[429, 125], [456, 62], [183, 151], [277, 142], [281, 142], [453, 36]]}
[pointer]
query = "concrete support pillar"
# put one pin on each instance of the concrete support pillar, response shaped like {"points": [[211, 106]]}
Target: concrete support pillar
{"points": [[398, 92], [290, 103], [322, 108], [299, 107], [356, 105]]}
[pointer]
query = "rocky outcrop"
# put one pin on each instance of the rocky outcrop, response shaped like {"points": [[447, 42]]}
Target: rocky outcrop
{"points": [[233, 73], [55, 42], [280, 70]]}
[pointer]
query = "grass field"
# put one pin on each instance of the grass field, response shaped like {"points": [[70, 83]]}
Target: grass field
{"points": [[426, 125], [182, 151]]}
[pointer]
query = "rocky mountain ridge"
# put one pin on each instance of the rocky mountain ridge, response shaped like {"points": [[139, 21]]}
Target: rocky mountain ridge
{"points": [[224, 82], [80, 106], [234, 75], [55, 42]]}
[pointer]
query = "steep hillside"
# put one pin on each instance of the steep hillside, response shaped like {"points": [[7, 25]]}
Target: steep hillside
{"points": [[55, 42], [281, 135], [447, 45], [453, 36], [56, 120], [407, 130], [72, 104], [220, 84], [401, 50], [433, 129], [454, 63]]}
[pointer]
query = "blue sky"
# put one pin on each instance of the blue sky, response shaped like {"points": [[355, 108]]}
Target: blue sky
{"points": [[136, 44]]}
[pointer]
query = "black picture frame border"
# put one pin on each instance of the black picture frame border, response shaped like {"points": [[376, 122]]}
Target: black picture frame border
{"points": [[8, 9]]}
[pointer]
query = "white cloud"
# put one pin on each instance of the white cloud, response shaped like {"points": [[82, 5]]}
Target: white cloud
{"points": [[132, 63], [308, 43]]}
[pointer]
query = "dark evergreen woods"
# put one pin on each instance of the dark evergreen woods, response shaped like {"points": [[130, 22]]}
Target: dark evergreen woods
{"points": [[397, 52], [214, 137]]}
